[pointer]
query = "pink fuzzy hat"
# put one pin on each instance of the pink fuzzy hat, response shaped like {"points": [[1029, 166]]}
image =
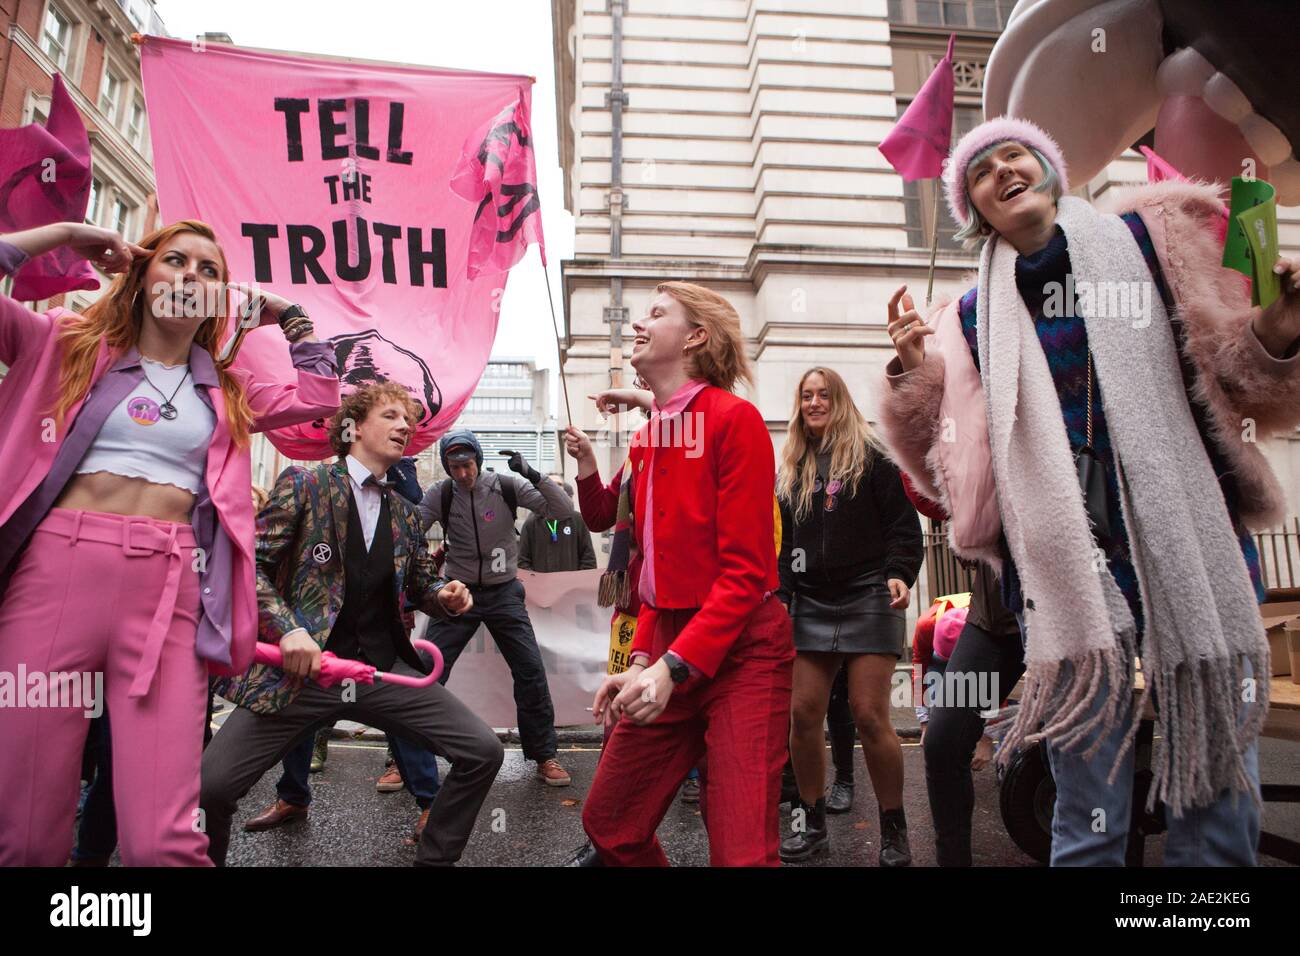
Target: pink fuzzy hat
{"points": [[988, 134]]}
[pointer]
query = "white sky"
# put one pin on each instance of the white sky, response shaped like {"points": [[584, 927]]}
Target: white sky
{"points": [[503, 36]]}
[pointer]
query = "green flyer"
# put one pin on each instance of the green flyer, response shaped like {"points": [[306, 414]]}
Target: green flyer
{"points": [[1246, 194], [1260, 226]]}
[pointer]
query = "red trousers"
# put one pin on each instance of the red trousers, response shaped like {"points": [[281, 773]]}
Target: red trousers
{"points": [[735, 727]]}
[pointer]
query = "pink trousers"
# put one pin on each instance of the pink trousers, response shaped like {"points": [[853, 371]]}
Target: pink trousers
{"points": [[117, 597]]}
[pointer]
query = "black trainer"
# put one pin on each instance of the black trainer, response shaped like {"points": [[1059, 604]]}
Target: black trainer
{"points": [[586, 855], [894, 849], [809, 834]]}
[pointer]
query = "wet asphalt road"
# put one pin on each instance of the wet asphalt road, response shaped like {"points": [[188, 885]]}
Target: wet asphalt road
{"points": [[525, 823]]}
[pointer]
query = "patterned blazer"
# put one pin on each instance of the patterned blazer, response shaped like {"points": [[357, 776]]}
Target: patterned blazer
{"points": [[301, 541]]}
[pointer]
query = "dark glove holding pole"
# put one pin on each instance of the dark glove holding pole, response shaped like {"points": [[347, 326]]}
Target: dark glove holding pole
{"points": [[521, 467]]}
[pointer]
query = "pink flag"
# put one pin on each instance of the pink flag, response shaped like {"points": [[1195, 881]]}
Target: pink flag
{"points": [[45, 178], [497, 170], [329, 182], [1158, 168], [919, 141]]}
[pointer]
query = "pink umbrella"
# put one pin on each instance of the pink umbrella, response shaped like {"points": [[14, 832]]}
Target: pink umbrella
{"points": [[335, 670]]}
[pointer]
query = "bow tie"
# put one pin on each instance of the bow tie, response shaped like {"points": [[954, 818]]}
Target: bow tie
{"points": [[380, 483]]}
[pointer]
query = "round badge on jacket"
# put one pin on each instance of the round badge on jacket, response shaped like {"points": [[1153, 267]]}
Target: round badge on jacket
{"points": [[322, 553]]}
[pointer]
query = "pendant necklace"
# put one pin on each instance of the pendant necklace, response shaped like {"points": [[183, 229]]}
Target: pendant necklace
{"points": [[167, 410]]}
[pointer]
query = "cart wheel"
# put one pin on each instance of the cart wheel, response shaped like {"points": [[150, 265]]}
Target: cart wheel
{"points": [[1027, 797]]}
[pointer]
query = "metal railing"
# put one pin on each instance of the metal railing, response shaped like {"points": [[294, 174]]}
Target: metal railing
{"points": [[1279, 559], [1279, 555], [943, 572]]}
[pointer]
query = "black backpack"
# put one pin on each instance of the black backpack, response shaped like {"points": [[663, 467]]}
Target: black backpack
{"points": [[507, 492]]}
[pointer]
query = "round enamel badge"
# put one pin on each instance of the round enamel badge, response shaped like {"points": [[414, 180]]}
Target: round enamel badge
{"points": [[322, 553], [143, 410]]}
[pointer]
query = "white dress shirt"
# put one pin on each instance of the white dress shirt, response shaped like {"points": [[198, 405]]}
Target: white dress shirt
{"points": [[369, 498]]}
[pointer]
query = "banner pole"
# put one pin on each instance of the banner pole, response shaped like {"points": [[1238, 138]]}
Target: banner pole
{"points": [[559, 349], [934, 248]]}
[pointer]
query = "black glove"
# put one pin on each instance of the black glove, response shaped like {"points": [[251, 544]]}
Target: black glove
{"points": [[521, 467]]}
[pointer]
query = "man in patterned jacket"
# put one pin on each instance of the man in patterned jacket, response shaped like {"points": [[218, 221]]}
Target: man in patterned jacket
{"points": [[336, 550]]}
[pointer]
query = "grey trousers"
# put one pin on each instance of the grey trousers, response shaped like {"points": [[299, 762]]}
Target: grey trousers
{"points": [[249, 744]]}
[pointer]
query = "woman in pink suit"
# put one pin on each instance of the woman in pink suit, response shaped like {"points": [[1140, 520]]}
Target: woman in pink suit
{"points": [[126, 530]]}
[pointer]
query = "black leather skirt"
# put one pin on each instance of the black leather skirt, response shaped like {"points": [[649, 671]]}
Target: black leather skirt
{"points": [[852, 617]]}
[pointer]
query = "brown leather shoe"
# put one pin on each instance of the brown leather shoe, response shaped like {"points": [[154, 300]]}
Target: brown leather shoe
{"points": [[278, 814], [552, 774], [418, 832], [391, 781]]}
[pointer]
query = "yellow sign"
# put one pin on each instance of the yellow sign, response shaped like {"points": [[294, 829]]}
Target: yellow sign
{"points": [[621, 631]]}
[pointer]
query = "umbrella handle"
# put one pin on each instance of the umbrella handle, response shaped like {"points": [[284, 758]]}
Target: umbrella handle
{"points": [[271, 654], [427, 679]]}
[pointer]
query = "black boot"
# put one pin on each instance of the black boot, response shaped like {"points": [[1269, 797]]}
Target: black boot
{"points": [[586, 856], [894, 850], [809, 834], [841, 797]]}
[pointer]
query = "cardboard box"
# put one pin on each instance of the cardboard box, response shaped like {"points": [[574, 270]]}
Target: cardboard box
{"points": [[1278, 614]]}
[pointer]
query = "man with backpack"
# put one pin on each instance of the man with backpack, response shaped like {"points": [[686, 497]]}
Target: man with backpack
{"points": [[476, 509]]}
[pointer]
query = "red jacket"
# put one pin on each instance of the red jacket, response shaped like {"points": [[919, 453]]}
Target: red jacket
{"points": [[713, 524]]}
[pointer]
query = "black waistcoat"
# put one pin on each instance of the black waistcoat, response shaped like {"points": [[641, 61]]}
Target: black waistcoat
{"points": [[368, 627]]}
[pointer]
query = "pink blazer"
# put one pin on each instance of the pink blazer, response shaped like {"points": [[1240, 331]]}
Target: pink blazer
{"points": [[29, 442]]}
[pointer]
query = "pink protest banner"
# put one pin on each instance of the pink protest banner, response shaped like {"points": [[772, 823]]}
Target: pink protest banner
{"points": [[329, 183]]}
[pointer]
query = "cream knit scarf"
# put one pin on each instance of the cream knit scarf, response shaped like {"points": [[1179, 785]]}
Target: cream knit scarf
{"points": [[1202, 624]]}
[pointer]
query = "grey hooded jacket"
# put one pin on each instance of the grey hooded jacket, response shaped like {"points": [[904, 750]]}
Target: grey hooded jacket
{"points": [[482, 547]]}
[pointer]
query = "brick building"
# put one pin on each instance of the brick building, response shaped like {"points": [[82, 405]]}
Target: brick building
{"points": [[89, 43]]}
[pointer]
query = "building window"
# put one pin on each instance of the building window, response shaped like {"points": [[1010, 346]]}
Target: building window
{"points": [[921, 196], [121, 221], [135, 130], [109, 94], [969, 14], [56, 36], [95, 205]]}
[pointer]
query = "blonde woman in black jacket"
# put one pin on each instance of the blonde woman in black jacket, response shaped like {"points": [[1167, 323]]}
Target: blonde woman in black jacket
{"points": [[850, 552]]}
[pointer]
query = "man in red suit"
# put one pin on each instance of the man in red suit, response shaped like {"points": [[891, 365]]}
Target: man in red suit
{"points": [[709, 682]]}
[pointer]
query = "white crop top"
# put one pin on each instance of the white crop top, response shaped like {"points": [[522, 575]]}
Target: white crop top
{"points": [[148, 437]]}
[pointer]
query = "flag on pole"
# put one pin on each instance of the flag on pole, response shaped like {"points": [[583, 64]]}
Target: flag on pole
{"points": [[45, 178], [498, 170], [919, 141], [1159, 168]]}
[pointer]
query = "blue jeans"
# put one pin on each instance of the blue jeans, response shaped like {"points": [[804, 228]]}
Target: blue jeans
{"points": [[418, 767], [292, 787], [1090, 824], [1224, 833], [419, 770]]}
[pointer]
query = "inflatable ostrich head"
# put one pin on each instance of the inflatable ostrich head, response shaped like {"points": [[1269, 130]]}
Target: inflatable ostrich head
{"points": [[1211, 86]]}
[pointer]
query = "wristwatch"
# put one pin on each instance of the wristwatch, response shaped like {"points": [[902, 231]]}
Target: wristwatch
{"points": [[677, 668], [293, 311]]}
